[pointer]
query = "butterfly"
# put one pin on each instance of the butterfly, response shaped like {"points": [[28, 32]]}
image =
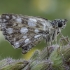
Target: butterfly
{"points": [[27, 31]]}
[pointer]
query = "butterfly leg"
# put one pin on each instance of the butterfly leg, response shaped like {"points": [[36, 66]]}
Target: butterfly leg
{"points": [[55, 36], [51, 40], [64, 38], [48, 42]]}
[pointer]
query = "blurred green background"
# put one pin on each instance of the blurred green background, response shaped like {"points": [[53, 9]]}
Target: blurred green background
{"points": [[50, 9]]}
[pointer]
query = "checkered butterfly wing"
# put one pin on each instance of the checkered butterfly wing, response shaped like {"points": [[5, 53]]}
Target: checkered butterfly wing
{"points": [[21, 31]]}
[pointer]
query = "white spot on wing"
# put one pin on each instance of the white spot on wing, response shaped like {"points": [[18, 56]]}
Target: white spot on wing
{"points": [[18, 20], [7, 17], [3, 25], [9, 30], [32, 22], [36, 30], [4, 20], [24, 37], [13, 17], [27, 41], [16, 44], [23, 30], [36, 36]]}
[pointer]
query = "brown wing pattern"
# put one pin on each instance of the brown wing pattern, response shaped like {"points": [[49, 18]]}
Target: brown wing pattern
{"points": [[21, 31]]}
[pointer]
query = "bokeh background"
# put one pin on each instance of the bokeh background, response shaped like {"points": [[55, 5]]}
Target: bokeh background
{"points": [[50, 9]]}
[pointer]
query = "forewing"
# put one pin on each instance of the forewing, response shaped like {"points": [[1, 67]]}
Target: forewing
{"points": [[21, 31]]}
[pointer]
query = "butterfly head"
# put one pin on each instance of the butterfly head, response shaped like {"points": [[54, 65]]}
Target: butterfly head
{"points": [[59, 23]]}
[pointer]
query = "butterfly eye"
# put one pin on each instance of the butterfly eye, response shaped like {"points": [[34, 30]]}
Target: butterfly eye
{"points": [[60, 24]]}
